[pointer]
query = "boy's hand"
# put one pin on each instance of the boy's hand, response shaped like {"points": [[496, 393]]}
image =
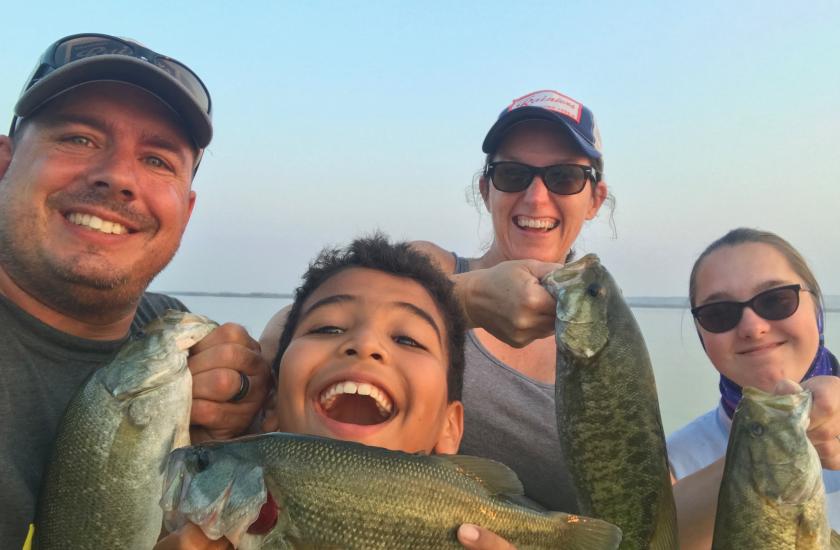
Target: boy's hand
{"points": [[191, 537], [479, 538], [224, 405]]}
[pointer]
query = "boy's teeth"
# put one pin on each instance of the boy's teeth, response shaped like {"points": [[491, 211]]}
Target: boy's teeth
{"points": [[383, 402], [535, 223], [96, 223]]}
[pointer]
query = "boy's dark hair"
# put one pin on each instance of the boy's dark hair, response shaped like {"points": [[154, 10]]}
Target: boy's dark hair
{"points": [[375, 252]]}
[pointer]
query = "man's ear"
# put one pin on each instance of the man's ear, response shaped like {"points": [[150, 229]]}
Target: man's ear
{"points": [[5, 154], [450, 435]]}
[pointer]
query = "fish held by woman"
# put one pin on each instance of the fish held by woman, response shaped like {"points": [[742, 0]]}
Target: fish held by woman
{"points": [[104, 480], [607, 409], [340, 494], [772, 494]]}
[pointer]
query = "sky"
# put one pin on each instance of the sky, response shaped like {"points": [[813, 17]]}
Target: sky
{"points": [[334, 119]]}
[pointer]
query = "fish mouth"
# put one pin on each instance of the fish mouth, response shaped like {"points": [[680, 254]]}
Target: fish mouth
{"points": [[357, 402], [542, 225]]}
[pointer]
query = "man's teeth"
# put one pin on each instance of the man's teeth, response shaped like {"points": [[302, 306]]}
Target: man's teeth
{"points": [[535, 223], [383, 402], [97, 223]]}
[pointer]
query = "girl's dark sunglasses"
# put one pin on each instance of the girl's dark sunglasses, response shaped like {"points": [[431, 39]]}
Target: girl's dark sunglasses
{"points": [[773, 305], [561, 179]]}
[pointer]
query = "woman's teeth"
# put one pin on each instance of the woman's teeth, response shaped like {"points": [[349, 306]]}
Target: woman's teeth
{"points": [[96, 223], [535, 223], [383, 402]]}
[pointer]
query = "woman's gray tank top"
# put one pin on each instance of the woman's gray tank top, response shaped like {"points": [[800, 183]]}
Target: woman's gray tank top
{"points": [[511, 418]]}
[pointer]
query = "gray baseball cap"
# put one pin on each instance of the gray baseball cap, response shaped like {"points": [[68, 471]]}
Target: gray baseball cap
{"points": [[82, 58]]}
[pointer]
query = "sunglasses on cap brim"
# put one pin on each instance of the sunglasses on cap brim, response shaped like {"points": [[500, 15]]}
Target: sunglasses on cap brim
{"points": [[83, 46]]}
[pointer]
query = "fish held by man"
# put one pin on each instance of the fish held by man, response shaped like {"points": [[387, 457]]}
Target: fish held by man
{"points": [[772, 494], [338, 494], [607, 409], [104, 480]]}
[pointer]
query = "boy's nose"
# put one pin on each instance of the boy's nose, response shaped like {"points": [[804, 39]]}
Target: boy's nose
{"points": [[365, 344]]}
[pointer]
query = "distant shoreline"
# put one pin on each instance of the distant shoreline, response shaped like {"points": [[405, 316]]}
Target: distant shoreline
{"points": [[652, 302]]}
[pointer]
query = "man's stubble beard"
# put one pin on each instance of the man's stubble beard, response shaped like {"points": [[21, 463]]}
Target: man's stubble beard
{"points": [[71, 286]]}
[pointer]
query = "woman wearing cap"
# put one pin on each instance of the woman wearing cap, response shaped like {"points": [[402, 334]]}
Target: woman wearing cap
{"points": [[540, 183], [758, 312]]}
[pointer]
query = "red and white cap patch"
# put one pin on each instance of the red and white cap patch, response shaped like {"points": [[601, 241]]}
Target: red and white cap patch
{"points": [[551, 101]]}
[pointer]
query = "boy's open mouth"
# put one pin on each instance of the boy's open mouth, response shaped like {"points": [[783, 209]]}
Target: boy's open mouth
{"points": [[356, 403]]}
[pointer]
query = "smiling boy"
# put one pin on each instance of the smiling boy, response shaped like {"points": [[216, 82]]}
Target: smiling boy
{"points": [[372, 352]]}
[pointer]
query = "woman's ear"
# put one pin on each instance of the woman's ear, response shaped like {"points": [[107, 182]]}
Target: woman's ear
{"points": [[599, 195], [484, 189], [450, 435]]}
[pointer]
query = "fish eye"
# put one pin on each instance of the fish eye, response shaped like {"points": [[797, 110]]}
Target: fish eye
{"points": [[756, 429], [595, 290], [202, 460]]}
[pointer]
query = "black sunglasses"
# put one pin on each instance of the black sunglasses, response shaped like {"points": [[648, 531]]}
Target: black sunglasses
{"points": [[773, 305], [561, 179], [80, 46]]}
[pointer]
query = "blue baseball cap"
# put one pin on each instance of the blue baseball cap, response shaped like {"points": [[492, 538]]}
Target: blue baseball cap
{"points": [[553, 106]]}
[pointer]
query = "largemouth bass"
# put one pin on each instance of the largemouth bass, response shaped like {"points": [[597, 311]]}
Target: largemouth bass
{"points": [[105, 477], [772, 494], [339, 494], [607, 409]]}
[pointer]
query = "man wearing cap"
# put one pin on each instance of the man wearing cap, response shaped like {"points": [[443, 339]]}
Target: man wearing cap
{"points": [[95, 194]]}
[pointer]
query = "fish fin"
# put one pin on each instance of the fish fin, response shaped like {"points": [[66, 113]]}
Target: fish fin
{"points": [[582, 533], [835, 540], [227, 510], [146, 373], [665, 535], [494, 476]]}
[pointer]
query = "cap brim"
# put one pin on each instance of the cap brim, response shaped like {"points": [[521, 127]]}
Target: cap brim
{"points": [[121, 68], [505, 122]]}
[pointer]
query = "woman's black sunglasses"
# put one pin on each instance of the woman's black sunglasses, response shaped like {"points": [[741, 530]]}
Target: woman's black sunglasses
{"points": [[561, 179], [773, 305]]}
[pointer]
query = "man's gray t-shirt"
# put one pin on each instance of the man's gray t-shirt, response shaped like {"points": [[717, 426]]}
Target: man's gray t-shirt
{"points": [[41, 369]]}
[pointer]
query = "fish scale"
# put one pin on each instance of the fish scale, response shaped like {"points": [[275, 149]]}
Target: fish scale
{"points": [[104, 479], [338, 494], [607, 409], [772, 494]]}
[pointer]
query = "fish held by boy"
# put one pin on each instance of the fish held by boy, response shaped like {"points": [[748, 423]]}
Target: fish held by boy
{"points": [[104, 480], [772, 493], [339, 494], [607, 409]]}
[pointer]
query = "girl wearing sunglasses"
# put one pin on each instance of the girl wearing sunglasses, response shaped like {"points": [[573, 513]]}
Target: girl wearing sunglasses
{"points": [[758, 311]]}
